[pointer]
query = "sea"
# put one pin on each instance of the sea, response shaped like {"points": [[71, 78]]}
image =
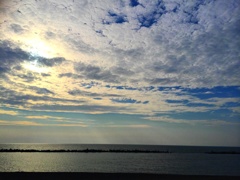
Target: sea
{"points": [[183, 160]]}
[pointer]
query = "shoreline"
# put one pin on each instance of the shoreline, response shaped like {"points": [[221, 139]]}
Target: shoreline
{"points": [[83, 151], [106, 176]]}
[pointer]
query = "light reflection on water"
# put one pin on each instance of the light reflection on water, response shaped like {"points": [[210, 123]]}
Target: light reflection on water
{"points": [[174, 163]]}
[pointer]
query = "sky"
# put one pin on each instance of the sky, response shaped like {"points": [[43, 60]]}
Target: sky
{"points": [[162, 72]]}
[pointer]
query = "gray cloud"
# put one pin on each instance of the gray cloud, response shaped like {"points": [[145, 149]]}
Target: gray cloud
{"points": [[172, 64], [27, 77], [41, 90], [96, 73], [79, 45], [11, 97], [50, 35], [10, 56], [70, 75], [128, 101], [79, 108], [161, 81], [50, 61], [16, 28], [123, 71], [45, 74], [77, 92]]}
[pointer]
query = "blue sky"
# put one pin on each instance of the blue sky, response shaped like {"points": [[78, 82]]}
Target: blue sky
{"points": [[124, 72]]}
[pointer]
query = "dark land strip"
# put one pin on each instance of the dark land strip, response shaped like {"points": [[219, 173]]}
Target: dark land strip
{"points": [[104, 151], [83, 151]]}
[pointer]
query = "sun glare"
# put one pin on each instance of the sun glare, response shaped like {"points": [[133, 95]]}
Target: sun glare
{"points": [[35, 67], [39, 48]]}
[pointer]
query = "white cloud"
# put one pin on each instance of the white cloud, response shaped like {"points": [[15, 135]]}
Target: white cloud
{"points": [[8, 112], [31, 123]]}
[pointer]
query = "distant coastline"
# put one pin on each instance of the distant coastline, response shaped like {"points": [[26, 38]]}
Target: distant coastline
{"points": [[84, 151], [104, 151]]}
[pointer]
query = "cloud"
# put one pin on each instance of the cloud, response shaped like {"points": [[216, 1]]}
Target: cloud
{"points": [[79, 45], [50, 62], [123, 71], [28, 77], [70, 75], [129, 126], [198, 57], [189, 103], [86, 93], [93, 72], [39, 90], [150, 13], [128, 101], [10, 56], [125, 100], [50, 35], [177, 101], [97, 98], [45, 74], [13, 113], [42, 117], [70, 125], [114, 18], [10, 97], [90, 84], [177, 43], [57, 119], [162, 81], [19, 123], [16, 28], [77, 92], [92, 109], [31, 123], [129, 88]]}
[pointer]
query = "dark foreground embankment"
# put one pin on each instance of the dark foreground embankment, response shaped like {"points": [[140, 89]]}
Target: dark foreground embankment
{"points": [[107, 176]]}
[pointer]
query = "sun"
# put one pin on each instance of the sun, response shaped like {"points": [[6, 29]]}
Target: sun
{"points": [[37, 49], [40, 50], [35, 66]]}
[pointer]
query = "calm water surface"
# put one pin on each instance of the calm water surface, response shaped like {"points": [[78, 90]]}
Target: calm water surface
{"points": [[183, 160]]}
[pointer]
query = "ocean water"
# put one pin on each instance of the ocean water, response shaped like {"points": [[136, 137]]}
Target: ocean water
{"points": [[188, 160]]}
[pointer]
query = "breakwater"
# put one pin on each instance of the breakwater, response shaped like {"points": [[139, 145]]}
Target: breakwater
{"points": [[84, 151]]}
